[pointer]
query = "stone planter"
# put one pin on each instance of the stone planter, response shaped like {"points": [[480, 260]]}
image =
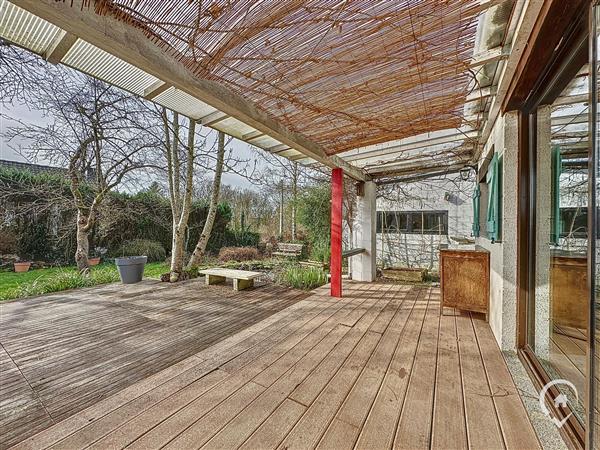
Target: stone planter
{"points": [[22, 266], [131, 268], [405, 274], [94, 261]]}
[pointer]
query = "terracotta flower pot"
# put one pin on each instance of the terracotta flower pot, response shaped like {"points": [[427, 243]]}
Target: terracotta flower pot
{"points": [[94, 261], [22, 266]]}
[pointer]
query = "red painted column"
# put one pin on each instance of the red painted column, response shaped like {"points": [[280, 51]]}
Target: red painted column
{"points": [[337, 185]]}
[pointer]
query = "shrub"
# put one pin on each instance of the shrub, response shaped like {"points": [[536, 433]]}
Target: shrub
{"points": [[143, 247], [238, 254], [303, 277], [320, 251], [8, 241], [314, 212], [232, 238]]}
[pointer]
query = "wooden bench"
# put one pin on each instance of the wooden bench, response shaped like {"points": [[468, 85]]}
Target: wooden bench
{"points": [[242, 279], [288, 250]]}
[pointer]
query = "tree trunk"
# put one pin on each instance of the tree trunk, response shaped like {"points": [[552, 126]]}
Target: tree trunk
{"points": [[200, 249], [176, 253], [281, 211], [83, 243], [294, 199], [181, 216]]}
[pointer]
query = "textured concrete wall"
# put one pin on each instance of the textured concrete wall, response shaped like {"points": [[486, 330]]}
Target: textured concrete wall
{"points": [[364, 265], [508, 340], [495, 143], [543, 222], [503, 254]]}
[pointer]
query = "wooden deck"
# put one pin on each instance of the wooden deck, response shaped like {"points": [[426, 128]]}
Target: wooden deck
{"points": [[62, 353], [377, 369]]}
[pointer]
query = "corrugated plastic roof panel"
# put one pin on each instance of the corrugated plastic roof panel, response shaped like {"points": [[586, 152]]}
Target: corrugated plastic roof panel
{"points": [[25, 29], [100, 64], [184, 103]]}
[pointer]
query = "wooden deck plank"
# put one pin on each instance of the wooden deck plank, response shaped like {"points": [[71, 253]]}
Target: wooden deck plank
{"points": [[449, 426], [309, 429], [414, 427], [483, 429], [79, 347], [352, 414], [176, 414], [276, 427], [505, 395], [159, 405], [236, 432], [303, 339], [375, 369], [380, 426]]}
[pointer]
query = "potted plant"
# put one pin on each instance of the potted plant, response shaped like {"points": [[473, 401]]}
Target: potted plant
{"points": [[131, 268], [96, 256], [94, 260], [22, 266]]}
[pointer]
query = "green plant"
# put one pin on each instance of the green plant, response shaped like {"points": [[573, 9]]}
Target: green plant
{"points": [[68, 279], [302, 277], [320, 251], [314, 212], [143, 247]]}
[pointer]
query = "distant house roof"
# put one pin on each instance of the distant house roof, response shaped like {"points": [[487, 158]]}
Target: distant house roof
{"points": [[90, 174], [36, 168]]}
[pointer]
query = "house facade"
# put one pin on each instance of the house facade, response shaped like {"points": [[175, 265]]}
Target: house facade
{"points": [[414, 219]]}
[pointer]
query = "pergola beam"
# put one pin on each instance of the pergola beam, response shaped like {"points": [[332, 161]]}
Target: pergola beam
{"points": [[252, 135], [490, 56], [278, 148], [481, 94], [415, 170], [155, 89], [131, 45], [415, 143], [213, 118], [59, 48]]}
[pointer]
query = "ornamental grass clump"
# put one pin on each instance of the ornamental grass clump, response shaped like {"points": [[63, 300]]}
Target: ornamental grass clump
{"points": [[299, 277], [67, 279]]}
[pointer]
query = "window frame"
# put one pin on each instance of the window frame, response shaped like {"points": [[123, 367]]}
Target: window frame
{"points": [[409, 222]]}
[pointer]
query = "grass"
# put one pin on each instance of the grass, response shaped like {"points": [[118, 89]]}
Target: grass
{"points": [[55, 279], [300, 277]]}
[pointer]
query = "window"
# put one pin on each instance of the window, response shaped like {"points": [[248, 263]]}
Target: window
{"points": [[573, 222], [413, 222]]}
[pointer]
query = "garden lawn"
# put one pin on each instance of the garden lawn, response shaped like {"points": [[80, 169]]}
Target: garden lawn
{"points": [[55, 279]]}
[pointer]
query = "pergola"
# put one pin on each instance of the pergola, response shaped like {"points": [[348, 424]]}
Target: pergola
{"points": [[376, 91]]}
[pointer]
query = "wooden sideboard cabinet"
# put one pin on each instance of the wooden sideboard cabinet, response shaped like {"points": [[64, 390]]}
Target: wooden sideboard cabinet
{"points": [[465, 279], [569, 290]]}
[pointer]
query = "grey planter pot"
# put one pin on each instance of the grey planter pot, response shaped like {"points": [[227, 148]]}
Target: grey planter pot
{"points": [[131, 268]]}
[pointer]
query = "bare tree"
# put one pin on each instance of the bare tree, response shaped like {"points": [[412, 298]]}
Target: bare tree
{"points": [[180, 186], [20, 72], [200, 249], [284, 176], [94, 130]]}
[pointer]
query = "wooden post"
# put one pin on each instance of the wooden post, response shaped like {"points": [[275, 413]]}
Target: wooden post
{"points": [[337, 189]]}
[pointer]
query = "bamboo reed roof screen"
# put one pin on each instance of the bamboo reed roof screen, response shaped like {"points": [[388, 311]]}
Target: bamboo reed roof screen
{"points": [[344, 73]]}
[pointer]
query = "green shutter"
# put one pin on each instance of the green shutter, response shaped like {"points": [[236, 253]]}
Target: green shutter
{"points": [[492, 212], [476, 196], [556, 171]]}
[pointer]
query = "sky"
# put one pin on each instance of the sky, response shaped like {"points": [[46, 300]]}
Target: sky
{"points": [[240, 149]]}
